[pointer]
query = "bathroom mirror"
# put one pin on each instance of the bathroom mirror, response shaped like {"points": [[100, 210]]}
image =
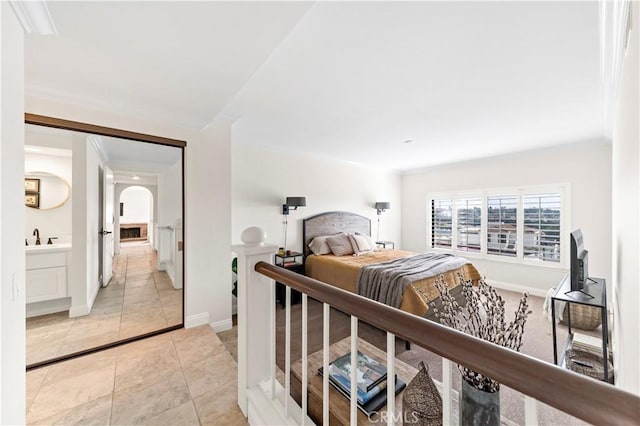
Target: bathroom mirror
{"points": [[45, 191], [101, 275]]}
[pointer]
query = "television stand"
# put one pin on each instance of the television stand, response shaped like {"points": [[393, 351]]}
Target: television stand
{"points": [[593, 294]]}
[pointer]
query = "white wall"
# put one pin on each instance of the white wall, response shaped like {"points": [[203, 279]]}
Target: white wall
{"points": [[53, 222], [170, 195], [586, 167], [626, 214], [137, 205], [12, 260], [208, 203], [83, 283], [207, 226], [170, 214], [119, 188], [262, 179]]}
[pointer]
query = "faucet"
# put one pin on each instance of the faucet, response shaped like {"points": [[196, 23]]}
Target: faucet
{"points": [[51, 240], [36, 232]]}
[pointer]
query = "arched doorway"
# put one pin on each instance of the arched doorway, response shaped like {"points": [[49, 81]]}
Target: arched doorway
{"points": [[136, 213]]}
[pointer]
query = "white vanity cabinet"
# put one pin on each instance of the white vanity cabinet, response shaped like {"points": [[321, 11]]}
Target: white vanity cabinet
{"points": [[46, 273]]}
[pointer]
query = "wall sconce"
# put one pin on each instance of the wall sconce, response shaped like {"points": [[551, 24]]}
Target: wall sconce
{"points": [[291, 203], [381, 206]]}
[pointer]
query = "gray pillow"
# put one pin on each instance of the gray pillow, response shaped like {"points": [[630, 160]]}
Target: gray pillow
{"points": [[319, 245], [340, 244]]}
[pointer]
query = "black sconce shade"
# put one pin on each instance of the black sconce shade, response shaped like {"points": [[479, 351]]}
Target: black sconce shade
{"points": [[382, 206], [293, 202]]}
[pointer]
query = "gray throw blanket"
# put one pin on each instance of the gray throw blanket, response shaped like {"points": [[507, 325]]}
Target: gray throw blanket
{"points": [[386, 282]]}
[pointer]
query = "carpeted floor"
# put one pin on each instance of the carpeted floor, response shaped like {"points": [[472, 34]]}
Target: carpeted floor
{"points": [[537, 342]]}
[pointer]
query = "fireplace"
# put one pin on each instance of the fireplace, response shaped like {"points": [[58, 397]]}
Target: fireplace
{"points": [[133, 232]]}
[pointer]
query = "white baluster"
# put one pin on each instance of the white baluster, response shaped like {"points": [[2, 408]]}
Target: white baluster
{"points": [[326, 309], [304, 359], [287, 351], [391, 378], [354, 367], [447, 405], [272, 349], [530, 411]]}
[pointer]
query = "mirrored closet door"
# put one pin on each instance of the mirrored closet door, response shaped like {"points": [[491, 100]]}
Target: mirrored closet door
{"points": [[103, 237]]}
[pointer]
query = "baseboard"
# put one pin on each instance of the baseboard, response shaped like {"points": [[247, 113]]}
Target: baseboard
{"points": [[78, 311], [49, 307], [222, 325], [196, 320], [519, 288]]}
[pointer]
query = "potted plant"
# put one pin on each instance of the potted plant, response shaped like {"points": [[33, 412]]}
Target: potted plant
{"points": [[482, 316]]}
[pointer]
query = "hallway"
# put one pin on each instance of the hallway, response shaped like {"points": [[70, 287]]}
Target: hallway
{"points": [[139, 299]]}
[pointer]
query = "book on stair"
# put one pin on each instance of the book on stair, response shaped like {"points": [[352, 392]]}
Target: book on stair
{"points": [[371, 376], [368, 402], [369, 371]]}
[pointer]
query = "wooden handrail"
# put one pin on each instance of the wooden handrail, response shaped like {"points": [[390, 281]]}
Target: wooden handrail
{"points": [[588, 399]]}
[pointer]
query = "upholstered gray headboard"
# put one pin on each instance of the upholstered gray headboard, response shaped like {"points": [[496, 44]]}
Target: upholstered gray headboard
{"points": [[332, 223]]}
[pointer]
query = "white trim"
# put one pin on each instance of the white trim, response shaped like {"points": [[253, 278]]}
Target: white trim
{"points": [[196, 320], [223, 325], [78, 311], [34, 17], [540, 292], [48, 307]]}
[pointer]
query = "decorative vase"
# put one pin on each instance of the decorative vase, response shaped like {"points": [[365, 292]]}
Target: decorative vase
{"points": [[478, 407]]}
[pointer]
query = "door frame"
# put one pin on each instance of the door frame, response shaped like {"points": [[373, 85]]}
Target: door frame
{"points": [[59, 123]]}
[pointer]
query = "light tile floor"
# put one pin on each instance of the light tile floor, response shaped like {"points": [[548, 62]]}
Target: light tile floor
{"points": [[185, 377], [139, 299]]}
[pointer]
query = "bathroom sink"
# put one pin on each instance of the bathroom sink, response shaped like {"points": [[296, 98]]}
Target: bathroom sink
{"points": [[47, 247]]}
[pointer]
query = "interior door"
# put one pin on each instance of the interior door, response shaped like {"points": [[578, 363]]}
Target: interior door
{"points": [[107, 226]]}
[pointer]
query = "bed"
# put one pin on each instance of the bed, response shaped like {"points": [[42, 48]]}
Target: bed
{"points": [[344, 271]]}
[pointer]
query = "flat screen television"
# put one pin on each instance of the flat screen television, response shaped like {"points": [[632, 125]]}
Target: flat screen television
{"points": [[579, 261]]}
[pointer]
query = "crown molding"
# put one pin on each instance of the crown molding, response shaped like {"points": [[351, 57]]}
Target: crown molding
{"points": [[34, 16]]}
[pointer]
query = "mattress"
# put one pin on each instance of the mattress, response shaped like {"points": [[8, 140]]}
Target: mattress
{"points": [[342, 272]]}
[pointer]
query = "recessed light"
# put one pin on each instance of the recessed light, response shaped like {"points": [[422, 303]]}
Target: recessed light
{"points": [[136, 177]]}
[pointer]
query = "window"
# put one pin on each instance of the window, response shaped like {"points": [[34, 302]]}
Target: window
{"points": [[516, 225], [468, 226], [542, 227], [441, 222], [502, 225]]}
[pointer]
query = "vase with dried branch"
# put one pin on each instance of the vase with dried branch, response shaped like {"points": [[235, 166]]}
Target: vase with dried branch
{"points": [[482, 315]]}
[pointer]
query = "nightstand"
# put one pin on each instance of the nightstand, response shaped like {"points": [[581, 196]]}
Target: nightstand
{"points": [[292, 262], [384, 244]]}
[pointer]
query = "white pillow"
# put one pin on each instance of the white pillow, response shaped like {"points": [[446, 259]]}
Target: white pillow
{"points": [[340, 244], [360, 244], [372, 244], [319, 245]]}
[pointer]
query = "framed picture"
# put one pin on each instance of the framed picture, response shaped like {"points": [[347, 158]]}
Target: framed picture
{"points": [[31, 185], [32, 200]]}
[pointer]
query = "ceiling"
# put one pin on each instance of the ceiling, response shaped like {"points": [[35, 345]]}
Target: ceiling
{"points": [[351, 81]]}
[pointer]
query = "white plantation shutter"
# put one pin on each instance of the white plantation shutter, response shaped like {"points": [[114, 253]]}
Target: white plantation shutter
{"points": [[441, 222], [542, 226], [522, 225], [468, 227], [502, 225]]}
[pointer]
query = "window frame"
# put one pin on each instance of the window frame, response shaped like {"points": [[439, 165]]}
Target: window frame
{"points": [[519, 192]]}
